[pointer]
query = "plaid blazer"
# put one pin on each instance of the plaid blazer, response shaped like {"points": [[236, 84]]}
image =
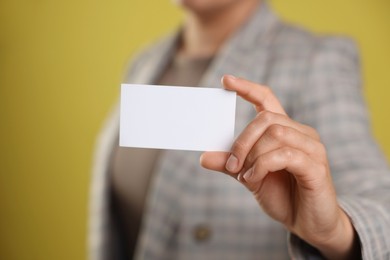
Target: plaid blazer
{"points": [[193, 213]]}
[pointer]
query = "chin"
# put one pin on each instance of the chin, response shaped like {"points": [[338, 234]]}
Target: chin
{"points": [[204, 6]]}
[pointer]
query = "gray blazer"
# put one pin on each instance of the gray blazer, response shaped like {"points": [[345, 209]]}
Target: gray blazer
{"points": [[193, 213]]}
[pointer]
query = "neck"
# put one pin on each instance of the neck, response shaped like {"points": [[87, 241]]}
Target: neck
{"points": [[204, 34]]}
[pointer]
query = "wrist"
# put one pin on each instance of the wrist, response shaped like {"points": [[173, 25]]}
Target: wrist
{"points": [[343, 243]]}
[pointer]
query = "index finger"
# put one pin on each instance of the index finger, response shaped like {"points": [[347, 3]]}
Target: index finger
{"points": [[260, 96]]}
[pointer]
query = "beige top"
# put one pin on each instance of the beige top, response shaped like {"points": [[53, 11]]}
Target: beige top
{"points": [[131, 168]]}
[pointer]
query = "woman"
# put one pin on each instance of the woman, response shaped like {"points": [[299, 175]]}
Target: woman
{"points": [[151, 204]]}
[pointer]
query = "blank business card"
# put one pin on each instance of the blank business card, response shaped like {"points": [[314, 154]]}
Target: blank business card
{"points": [[179, 118]]}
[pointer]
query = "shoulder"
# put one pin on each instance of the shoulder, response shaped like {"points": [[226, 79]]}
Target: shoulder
{"points": [[303, 63], [305, 53], [298, 42]]}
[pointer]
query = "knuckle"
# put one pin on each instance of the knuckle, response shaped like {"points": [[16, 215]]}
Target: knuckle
{"points": [[288, 153], [266, 116], [313, 133], [277, 131], [239, 147], [268, 91], [268, 94]]}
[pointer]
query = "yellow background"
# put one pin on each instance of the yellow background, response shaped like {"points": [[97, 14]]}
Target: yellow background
{"points": [[60, 67]]}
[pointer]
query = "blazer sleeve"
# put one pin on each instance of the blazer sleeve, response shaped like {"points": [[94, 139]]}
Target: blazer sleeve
{"points": [[331, 101]]}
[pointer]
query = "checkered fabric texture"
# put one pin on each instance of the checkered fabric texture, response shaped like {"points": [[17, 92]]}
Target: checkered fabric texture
{"points": [[193, 213]]}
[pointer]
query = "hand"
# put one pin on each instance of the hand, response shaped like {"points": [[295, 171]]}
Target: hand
{"points": [[284, 164]]}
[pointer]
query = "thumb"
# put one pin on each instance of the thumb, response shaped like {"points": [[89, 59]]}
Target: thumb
{"points": [[214, 161]]}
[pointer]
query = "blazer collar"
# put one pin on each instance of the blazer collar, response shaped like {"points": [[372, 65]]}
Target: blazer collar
{"points": [[244, 54]]}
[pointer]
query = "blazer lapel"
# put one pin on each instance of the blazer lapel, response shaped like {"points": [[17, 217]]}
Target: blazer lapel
{"points": [[102, 238], [246, 54]]}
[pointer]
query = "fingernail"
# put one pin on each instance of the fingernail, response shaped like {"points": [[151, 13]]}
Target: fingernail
{"points": [[232, 163], [248, 174], [231, 77]]}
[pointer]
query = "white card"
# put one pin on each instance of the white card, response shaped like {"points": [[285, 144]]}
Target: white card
{"points": [[180, 118]]}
